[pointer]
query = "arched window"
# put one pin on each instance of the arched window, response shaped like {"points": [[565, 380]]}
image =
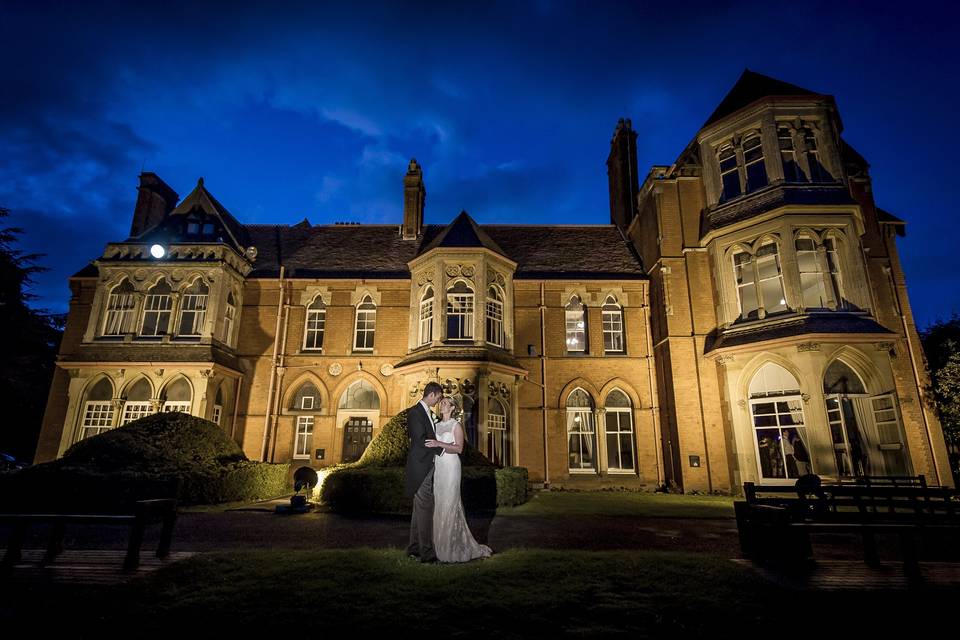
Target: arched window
{"points": [[581, 431], [495, 316], [756, 171], [229, 317], [619, 431], [812, 264], [460, 312], [137, 402], [218, 406], [360, 395], [776, 408], [315, 324], [759, 281], [576, 322], [97, 410], [193, 310], [156, 310], [120, 308], [177, 396], [612, 326], [426, 317], [366, 325], [307, 398], [498, 434]]}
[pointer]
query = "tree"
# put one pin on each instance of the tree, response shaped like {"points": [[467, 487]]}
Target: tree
{"points": [[28, 348], [941, 345]]}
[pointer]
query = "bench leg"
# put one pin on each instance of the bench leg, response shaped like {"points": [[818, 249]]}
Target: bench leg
{"points": [[870, 554], [14, 546], [132, 561], [55, 545], [166, 533]]}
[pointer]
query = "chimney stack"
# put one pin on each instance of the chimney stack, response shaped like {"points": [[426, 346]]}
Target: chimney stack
{"points": [[622, 174], [155, 199], [414, 197]]}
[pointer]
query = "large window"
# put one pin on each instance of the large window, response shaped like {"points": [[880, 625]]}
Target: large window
{"points": [[494, 323], [759, 281], [426, 318], [229, 317], [360, 395], [137, 403], [193, 310], [156, 310], [817, 171], [729, 173], [366, 325], [756, 171], [788, 155], [812, 264], [576, 322], [612, 326], [120, 309], [498, 440], [460, 312], [307, 398], [313, 328], [304, 437], [776, 408], [619, 432], [97, 410], [581, 432], [177, 396], [743, 174]]}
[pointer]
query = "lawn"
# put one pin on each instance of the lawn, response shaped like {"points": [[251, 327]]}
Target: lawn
{"points": [[515, 594], [621, 503]]}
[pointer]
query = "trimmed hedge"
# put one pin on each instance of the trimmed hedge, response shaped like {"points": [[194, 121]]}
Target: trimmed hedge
{"points": [[160, 456]]}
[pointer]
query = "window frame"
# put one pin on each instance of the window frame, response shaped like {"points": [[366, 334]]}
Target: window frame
{"points": [[126, 313], [195, 304], [494, 317], [314, 312], [303, 437], [462, 306], [370, 317], [612, 309], [425, 317], [570, 314], [159, 312]]}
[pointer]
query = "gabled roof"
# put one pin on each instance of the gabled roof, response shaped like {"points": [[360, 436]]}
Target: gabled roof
{"points": [[203, 200], [753, 86], [463, 232]]}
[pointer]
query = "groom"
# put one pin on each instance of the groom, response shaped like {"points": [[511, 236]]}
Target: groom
{"points": [[420, 473]]}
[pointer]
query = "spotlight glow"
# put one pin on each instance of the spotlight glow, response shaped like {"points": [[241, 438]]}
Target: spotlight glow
{"points": [[157, 251]]}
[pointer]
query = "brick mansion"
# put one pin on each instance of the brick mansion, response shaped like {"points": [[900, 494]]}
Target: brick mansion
{"points": [[743, 317]]}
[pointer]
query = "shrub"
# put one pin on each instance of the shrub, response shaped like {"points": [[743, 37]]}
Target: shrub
{"points": [[159, 456], [512, 486]]}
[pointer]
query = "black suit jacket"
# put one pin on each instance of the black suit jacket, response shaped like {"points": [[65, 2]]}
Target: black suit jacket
{"points": [[419, 458]]}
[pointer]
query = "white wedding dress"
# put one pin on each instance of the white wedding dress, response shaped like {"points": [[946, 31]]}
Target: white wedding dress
{"points": [[452, 539]]}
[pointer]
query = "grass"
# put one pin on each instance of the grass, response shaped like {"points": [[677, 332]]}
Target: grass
{"points": [[515, 594], [621, 503]]}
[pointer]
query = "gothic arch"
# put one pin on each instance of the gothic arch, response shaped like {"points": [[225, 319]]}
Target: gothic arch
{"points": [[94, 381], [192, 279], [762, 240], [341, 388], [622, 385], [293, 387], [134, 380], [584, 384], [861, 365], [174, 379], [756, 363]]}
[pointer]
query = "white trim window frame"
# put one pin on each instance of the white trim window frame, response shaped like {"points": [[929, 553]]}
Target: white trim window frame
{"points": [[813, 285], [193, 313], [176, 405], [121, 305], [314, 326], [613, 341], [581, 433], [365, 326], [304, 437], [771, 417], [217, 413], [575, 316], [97, 418], [494, 324], [425, 318], [157, 312], [745, 279], [833, 267], [134, 410], [618, 429], [498, 441], [460, 309]]}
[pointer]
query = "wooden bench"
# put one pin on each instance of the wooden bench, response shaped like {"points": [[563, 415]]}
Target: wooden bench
{"points": [[145, 512], [774, 522]]}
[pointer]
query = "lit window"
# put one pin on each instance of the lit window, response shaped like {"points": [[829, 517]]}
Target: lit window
{"points": [[498, 440], [156, 310], [581, 432], [137, 402], [619, 431], [304, 437], [729, 174], [97, 410], [776, 408], [813, 288], [316, 321], [759, 281], [366, 325], [193, 310], [426, 317], [576, 322], [120, 306], [612, 326], [495, 316], [460, 312], [229, 317]]}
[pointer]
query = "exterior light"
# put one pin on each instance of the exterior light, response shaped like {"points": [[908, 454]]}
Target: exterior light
{"points": [[782, 301], [158, 251]]}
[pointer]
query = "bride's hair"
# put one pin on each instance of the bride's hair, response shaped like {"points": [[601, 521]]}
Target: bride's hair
{"points": [[457, 409]]}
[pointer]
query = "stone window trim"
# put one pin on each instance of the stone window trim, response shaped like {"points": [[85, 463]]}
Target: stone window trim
{"points": [[576, 329], [314, 325], [827, 241], [495, 317], [614, 340], [426, 312], [743, 156], [365, 325], [460, 311]]}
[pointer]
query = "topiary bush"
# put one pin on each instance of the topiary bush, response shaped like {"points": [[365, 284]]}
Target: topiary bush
{"points": [[162, 455], [375, 482]]}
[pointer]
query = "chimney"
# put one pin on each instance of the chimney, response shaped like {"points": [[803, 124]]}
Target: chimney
{"points": [[414, 197], [155, 199], [622, 174]]}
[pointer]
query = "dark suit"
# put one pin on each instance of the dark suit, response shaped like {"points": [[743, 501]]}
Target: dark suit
{"points": [[419, 486]]}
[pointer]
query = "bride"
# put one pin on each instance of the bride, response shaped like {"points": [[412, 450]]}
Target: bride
{"points": [[452, 539]]}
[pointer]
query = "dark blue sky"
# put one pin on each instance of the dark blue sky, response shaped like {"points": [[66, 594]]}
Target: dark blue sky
{"points": [[311, 110]]}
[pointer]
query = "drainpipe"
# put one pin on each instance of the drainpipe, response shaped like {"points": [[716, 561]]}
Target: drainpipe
{"points": [[654, 403], [273, 371], [543, 387], [281, 370]]}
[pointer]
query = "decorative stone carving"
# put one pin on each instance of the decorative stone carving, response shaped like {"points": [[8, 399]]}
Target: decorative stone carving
{"points": [[808, 346], [386, 370], [453, 270], [159, 373], [414, 389], [725, 360], [491, 275], [468, 387], [742, 403], [335, 369], [425, 276], [140, 274], [884, 346], [206, 373], [468, 270], [451, 386]]}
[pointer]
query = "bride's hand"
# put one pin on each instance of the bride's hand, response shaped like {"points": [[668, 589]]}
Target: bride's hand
{"points": [[432, 443]]}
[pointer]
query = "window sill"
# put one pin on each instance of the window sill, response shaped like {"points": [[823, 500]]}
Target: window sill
{"points": [[583, 472]]}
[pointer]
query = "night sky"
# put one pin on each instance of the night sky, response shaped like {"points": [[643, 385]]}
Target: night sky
{"points": [[312, 110]]}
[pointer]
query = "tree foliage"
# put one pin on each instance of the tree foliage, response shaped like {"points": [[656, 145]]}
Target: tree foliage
{"points": [[31, 339], [941, 345]]}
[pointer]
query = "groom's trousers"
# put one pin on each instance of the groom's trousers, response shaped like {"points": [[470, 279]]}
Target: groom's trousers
{"points": [[421, 521]]}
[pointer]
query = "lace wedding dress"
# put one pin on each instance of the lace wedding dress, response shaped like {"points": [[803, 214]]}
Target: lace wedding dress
{"points": [[452, 539]]}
